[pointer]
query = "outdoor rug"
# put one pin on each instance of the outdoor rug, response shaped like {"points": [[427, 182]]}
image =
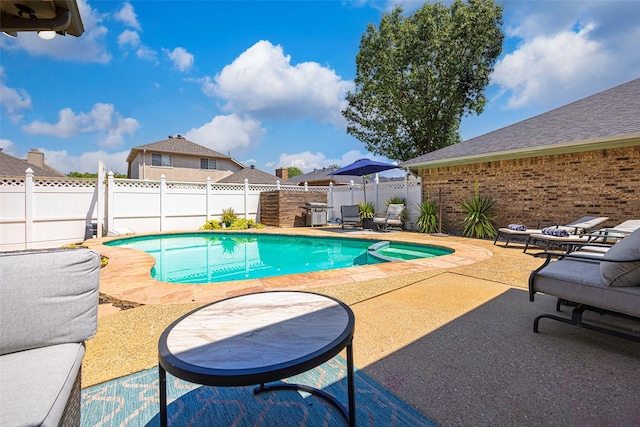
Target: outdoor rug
{"points": [[134, 401]]}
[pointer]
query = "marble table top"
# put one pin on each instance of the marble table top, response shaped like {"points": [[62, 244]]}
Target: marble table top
{"points": [[259, 330]]}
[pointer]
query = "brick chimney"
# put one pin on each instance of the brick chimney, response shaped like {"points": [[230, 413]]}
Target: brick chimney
{"points": [[282, 173], [35, 157]]}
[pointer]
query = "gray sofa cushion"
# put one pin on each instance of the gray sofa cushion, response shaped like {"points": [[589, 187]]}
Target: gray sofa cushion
{"points": [[47, 297], [622, 273], [580, 281], [36, 384]]}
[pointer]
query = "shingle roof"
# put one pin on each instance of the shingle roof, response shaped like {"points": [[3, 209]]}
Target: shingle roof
{"points": [[254, 176], [611, 114], [177, 145], [322, 176], [12, 166]]}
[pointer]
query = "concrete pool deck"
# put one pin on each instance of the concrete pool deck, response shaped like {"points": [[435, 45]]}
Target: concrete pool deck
{"points": [[454, 341]]}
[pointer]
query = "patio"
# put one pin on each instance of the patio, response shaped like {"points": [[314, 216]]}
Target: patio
{"points": [[453, 339]]}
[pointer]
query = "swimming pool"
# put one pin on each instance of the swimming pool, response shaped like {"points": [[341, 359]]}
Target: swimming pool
{"points": [[198, 258]]}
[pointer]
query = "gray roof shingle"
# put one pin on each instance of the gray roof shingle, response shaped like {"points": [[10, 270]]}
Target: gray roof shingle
{"points": [[612, 113], [12, 166], [177, 145], [254, 176]]}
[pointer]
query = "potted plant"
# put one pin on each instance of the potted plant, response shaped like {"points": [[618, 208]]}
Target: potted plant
{"points": [[480, 218], [367, 212], [228, 216], [427, 220]]}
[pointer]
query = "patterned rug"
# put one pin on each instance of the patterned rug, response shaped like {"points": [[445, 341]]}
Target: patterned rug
{"points": [[134, 401]]}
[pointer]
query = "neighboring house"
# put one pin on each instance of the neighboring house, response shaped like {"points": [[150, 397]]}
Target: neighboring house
{"points": [[179, 160], [12, 166], [322, 177], [579, 159], [252, 175]]}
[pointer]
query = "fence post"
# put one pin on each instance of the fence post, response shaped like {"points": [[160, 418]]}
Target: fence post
{"points": [[351, 190], [100, 208], [111, 188], [163, 188], [28, 209], [278, 185], [306, 186], [208, 196], [246, 197], [330, 199]]}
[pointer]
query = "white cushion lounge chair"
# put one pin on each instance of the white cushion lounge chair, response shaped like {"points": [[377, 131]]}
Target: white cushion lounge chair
{"points": [[393, 218], [573, 233], [521, 231]]}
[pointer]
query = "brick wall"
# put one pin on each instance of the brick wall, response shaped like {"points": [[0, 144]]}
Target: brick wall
{"points": [[282, 208], [558, 188]]}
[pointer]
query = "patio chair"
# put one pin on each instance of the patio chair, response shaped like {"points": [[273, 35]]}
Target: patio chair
{"points": [[522, 231], [571, 233], [350, 216], [393, 218]]}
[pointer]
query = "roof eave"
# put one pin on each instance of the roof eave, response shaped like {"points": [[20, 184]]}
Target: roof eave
{"points": [[618, 141]]}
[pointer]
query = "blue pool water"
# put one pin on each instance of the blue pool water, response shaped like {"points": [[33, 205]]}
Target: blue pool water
{"points": [[197, 258]]}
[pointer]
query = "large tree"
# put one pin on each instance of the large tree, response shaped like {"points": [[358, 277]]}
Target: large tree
{"points": [[418, 75]]}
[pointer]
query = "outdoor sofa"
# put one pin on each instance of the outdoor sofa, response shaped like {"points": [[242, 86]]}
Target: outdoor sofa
{"points": [[606, 284], [48, 308]]}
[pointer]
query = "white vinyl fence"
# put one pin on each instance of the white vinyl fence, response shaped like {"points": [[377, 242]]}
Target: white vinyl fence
{"points": [[50, 212]]}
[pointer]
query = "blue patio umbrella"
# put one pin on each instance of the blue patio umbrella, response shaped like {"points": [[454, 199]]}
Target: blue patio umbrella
{"points": [[363, 167]]}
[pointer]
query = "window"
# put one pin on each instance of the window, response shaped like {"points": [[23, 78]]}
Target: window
{"points": [[209, 164], [161, 160]]}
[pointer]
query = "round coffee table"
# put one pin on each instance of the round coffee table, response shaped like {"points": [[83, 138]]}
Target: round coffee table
{"points": [[256, 339]]}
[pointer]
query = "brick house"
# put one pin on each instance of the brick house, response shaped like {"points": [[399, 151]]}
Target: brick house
{"points": [[179, 160], [580, 159]]}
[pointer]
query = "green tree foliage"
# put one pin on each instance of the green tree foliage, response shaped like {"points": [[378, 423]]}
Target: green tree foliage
{"points": [[92, 175], [293, 171], [418, 75]]}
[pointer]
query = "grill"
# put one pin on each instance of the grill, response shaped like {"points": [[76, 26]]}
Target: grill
{"points": [[316, 213]]}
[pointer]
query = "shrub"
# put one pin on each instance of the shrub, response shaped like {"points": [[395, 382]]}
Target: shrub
{"points": [[243, 224], [367, 210], [212, 224], [427, 221], [480, 218]]}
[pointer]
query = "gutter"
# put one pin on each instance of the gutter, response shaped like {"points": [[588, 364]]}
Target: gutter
{"points": [[620, 141]]}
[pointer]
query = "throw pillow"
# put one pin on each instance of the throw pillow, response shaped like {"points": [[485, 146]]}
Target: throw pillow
{"points": [[622, 273]]}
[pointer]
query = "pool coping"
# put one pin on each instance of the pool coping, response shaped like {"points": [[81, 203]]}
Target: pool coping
{"points": [[126, 280]]}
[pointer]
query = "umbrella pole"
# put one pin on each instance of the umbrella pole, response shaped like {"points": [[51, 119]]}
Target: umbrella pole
{"points": [[364, 189]]}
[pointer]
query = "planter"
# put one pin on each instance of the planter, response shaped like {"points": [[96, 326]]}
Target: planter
{"points": [[367, 223]]}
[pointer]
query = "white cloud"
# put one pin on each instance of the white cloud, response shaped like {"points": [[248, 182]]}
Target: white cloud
{"points": [[131, 39], [13, 100], [89, 47], [228, 134], [182, 60], [86, 162], [544, 66], [262, 82], [307, 161], [109, 125], [128, 16], [8, 147]]}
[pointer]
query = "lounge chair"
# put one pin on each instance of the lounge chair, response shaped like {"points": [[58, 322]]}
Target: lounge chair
{"points": [[393, 218], [521, 231], [350, 216], [610, 284], [606, 238], [570, 233]]}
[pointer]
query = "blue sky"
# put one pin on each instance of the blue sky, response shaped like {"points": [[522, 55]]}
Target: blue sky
{"points": [[264, 81]]}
